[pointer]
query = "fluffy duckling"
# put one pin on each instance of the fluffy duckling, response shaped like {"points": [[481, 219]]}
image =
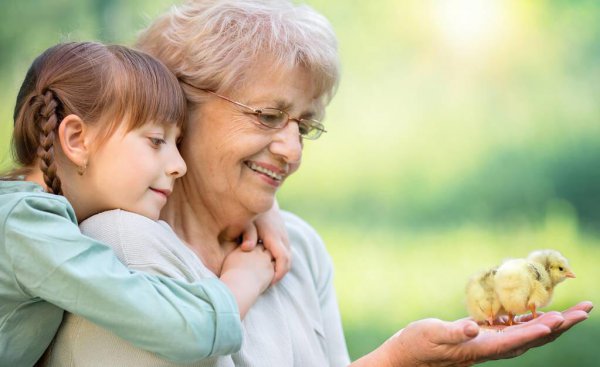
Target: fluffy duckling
{"points": [[482, 302], [528, 284]]}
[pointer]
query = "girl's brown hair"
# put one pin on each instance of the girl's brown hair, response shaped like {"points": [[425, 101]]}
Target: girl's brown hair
{"points": [[101, 84]]}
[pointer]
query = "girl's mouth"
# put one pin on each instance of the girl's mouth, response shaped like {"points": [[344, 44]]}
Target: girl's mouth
{"points": [[164, 192]]}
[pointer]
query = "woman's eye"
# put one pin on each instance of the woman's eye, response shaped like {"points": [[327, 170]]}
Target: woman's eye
{"points": [[271, 117], [305, 128], [157, 141]]}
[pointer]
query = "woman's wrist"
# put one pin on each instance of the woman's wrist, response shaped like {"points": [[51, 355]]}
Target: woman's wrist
{"points": [[389, 354], [374, 359]]}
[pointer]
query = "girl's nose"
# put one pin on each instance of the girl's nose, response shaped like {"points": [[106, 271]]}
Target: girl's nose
{"points": [[177, 166]]}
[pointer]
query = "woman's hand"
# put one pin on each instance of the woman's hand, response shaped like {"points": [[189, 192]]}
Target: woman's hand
{"points": [[572, 316], [433, 342], [269, 230]]}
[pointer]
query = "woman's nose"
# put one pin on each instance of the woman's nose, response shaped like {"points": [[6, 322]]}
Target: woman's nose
{"points": [[287, 143]]}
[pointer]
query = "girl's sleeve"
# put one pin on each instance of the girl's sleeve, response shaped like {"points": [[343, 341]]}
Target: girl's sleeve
{"points": [[52, 260]]}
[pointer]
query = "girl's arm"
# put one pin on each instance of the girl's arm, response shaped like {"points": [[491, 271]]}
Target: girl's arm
{"points": [[269, 228], [52, 260], [248, 274]]}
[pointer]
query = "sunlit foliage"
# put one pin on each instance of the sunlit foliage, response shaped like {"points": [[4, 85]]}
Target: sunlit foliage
{"points": [[463, 132]]}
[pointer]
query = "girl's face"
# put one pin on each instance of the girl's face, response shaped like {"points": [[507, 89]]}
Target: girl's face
{"points": [[134, 171]]}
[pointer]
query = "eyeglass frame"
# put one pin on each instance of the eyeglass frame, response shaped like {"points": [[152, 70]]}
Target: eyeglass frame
{"points": [[315, 124]]}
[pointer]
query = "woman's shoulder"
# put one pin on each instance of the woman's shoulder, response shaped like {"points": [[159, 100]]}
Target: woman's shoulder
{"points": [[124, 221], [307, 248], [299, 228], [124, 224], [144, 244], [126, 229]]}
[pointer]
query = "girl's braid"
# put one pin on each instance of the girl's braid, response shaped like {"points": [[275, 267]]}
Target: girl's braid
{"points": [[49, 126]]}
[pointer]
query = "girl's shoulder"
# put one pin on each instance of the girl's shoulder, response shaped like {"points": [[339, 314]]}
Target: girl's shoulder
{"points": [[28, 202]]}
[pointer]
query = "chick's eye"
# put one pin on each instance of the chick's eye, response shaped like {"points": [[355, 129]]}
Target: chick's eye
{"points": [[561, 268]]}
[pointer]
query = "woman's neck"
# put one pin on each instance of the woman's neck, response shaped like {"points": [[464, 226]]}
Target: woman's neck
{"points": [[208, 228]]}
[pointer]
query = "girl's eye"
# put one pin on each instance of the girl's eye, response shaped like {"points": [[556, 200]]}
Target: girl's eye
{"points": [[157, 141]]}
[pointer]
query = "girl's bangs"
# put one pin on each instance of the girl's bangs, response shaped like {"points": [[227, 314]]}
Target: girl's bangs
{"points": [[148, 92]]}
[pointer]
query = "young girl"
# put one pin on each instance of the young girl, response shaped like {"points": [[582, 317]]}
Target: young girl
{"points": [[98, 126]]}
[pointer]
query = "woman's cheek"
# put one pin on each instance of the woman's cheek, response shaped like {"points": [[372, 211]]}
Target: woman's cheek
{"points": [[294, 167]]}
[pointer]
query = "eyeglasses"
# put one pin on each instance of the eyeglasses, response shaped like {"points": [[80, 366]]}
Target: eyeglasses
{"points": [[274, 118]]}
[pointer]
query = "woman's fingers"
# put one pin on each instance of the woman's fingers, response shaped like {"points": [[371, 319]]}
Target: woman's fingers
{"points": [[462, 342], [551, 319], [585, 306], [451, 332], [516, 340], [551, 325], [508, 343], [571, 317]]}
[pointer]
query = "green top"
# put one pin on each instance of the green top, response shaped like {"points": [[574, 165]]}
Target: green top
{"points": [[47, 266]]}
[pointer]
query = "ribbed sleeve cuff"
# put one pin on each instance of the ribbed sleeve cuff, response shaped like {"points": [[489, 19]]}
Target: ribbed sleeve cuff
{"points": [[228, 326]]}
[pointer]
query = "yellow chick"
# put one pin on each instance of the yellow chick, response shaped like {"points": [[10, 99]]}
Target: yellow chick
{"points": [[482, 302], [528, 284]]}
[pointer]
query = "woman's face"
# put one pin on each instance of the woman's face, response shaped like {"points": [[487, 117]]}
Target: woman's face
{"points": [[231, 158]]}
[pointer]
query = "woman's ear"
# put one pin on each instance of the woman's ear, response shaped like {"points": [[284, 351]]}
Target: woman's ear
{"points": [[72, 133]]}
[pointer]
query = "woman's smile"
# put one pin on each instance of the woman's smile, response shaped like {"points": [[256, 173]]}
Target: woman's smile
{"points": [[273, 175]]}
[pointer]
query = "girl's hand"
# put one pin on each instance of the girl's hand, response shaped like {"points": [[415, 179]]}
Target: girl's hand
{"points": [[269, 230], [247, 274]]}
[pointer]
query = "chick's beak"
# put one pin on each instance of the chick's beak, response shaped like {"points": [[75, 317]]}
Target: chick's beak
{"points": [[570, 274]]}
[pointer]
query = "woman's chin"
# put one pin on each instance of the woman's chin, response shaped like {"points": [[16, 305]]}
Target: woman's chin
{"points": [[261, 206]]}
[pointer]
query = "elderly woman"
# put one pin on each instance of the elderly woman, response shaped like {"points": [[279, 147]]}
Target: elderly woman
{"points": [[257, 75]]}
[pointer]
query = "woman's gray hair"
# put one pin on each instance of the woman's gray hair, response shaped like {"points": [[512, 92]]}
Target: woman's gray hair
{"points": [[212, 44]]}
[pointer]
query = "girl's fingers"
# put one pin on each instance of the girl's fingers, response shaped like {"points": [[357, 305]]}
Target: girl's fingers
{"points": [[249, 238], [281, 264]]}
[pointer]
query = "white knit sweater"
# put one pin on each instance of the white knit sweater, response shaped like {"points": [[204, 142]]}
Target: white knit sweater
{"points": [[294, 323]]}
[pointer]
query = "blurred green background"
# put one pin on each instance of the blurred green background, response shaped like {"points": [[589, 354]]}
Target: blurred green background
{"points": [[463, 132]]}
